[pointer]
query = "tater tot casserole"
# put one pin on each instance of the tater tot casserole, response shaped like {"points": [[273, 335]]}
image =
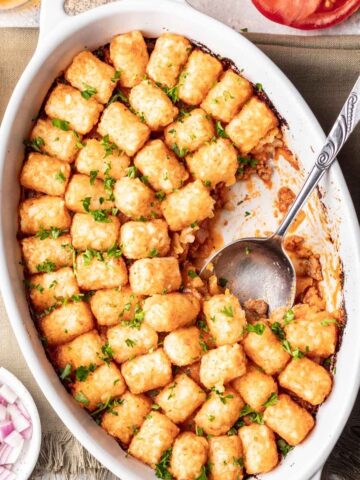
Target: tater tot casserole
{"points": [[129, 161]]}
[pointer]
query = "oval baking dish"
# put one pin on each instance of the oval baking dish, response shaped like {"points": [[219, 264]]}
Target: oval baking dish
{"points": [[304, 136]]}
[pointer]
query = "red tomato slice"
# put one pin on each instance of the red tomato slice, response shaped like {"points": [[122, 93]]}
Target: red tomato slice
{"points": [[307, 14]]}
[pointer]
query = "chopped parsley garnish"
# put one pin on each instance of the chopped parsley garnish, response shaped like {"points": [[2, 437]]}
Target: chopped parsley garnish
{"points": [[247, 213], [116, 76], [220, 131], [258, 328], [207, 183], [36, 143], [259, 87], [192, 274], [89, 254], [107, 352], [138, 319], [130, 343], [160, 195], [272, 400], [93, 175], [115, 252], [228, 311], [60, 177], [82, 372], [284, 447], [86, 203], [52, 232], [277, 329], [108, 406], [161, 469], [118, 95], [155, 406], [238, 462], [65, 372], [255, 417], [46, 266], [88, 92], [82, 398], [153, 253], [172, 93], [132, 172], [108, 146], [222, 395], [296, 353], [329, 321], [203, 474], [289, 316], [203, 346], [62, 124], [180, 152], [33, 286], [199, 431]]}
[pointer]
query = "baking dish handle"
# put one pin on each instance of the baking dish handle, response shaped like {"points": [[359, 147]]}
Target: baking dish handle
{"points": [[52, 13]]}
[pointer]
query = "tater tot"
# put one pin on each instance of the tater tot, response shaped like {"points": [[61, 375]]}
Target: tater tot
{"points": [[161, 167], [221, 365], [220, 411], [289, 420], [105, 383], [127, 341], [188, 205], [49, 288], [260, 453], [150, 276], [225, 318], [86, 232], [65, 323], [255, 387], [43, 213], [251, 124], [129, 55], [95, 271], [66, 104], [265, 350], [190, 132], [198, 76], [225, 458], [156, 435], [215, 162], [183, 346], [135, 199], [124, 128], [307, 379], [36, 251], [128, 418], [169, 55], [111, 306], [153, 104], [227, 96], [45, 174], [145, 239], [103, 158], [91, 76], [189, 455], [147, 372], [312, 332], [82, 195], [62, 144], [181, 398], [167, 312], [85, 350]]}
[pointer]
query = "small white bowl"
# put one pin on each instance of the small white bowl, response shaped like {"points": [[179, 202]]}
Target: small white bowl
{"points": [[30, 453]]}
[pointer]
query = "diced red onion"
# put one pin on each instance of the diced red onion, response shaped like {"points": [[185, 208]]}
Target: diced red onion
{"points": [[21, 423], [3, 401], [6, 474], [8, 394], [6, 427], [5, 451], [15, 453], [14, 439], [22, 409], [27, 433], [3, 413]]}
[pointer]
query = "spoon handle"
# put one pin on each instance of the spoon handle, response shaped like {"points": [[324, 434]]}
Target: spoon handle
{"points": [[340, 132]]}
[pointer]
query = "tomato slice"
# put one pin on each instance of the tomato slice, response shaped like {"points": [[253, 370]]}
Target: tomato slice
{"points": [[307, 14]]}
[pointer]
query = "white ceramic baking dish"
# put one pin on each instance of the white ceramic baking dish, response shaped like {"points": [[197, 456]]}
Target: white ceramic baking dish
{"points": [[61, 37]]}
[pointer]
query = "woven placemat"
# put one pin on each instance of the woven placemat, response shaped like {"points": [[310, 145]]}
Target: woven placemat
{"points": [[323, 69]]}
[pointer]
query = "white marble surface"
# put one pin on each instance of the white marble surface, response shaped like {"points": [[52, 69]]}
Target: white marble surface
{"points": [[238, 14]]}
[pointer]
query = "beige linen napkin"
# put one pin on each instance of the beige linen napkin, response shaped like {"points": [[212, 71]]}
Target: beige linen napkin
{"points": [[323, 69]]}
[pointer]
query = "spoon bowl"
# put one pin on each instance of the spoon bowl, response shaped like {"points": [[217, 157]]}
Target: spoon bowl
{"points": [[256, 268]]}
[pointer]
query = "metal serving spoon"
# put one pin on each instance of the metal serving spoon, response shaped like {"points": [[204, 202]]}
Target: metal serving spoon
{"points": [[259, 268]]}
